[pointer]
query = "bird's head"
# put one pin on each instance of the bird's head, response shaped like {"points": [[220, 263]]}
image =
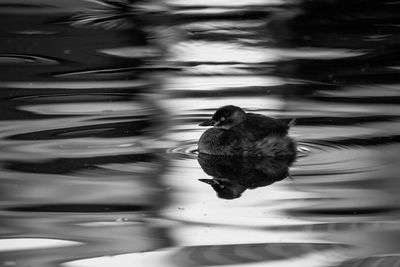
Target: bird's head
{"points": [[226, 117], [225, 188]]}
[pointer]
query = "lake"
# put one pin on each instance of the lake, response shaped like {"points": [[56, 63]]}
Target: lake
{"points": [[100, 106]]}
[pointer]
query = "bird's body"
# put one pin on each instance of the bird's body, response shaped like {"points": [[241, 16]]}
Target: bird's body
{"points": [[238, 133], [257, 126]]}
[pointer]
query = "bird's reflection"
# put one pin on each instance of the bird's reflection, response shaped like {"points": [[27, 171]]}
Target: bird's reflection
{"points": [[234, 175]]}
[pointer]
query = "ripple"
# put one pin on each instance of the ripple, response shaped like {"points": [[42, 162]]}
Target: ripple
{"points": [[18, 244], [21, 59], [224, 52], [110, 130], [131, 52], [214, 83], [112, 16], [224, 3], [108, 72], [73, 98], [337, 227], [187, 150], [220, 52], [248, 253], [315, 146], [318, 157], [80, 208], [35, 32], [75, 84], [373, 261], [302, 151], [71, 149], [84, 108]]}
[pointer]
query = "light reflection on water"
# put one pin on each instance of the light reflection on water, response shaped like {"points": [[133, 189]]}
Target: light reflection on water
{"points": [[99, 133]]}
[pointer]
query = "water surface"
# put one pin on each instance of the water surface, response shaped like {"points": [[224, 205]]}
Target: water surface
{"points": [[100, 102]]}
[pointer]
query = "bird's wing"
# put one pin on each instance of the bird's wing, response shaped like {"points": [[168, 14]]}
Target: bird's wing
{"points": [[262, 126], [230, 138]]}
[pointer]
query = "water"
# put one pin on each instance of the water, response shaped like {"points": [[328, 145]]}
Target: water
{"points": [[100, 103]]}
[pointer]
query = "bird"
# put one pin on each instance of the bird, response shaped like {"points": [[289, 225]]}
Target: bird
{"points": [[237, 133]]}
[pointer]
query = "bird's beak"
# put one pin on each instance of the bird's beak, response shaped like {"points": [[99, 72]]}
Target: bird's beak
{"points": [[208, 123], [209, 181]]}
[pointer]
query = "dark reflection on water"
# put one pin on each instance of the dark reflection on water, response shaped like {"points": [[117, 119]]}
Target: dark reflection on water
{"points": [[100, 102], [234, 175]]}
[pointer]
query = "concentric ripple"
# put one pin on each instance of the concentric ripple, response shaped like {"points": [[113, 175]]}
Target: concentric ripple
{"points": [[189, 150], [186, 150], [324, 157]]}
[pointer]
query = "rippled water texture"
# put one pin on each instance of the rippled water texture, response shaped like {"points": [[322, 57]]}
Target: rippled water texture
{"points": [[100, 102]]}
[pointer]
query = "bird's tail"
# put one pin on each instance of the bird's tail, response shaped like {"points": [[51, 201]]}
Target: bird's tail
{"points": [[291, 123]]}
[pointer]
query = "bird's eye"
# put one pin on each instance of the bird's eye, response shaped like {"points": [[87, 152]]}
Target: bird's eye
{"points": [[222, 119]]}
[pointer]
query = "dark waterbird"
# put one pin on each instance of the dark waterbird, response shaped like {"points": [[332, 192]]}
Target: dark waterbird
{"points": [[244, 151], [237, 133]]}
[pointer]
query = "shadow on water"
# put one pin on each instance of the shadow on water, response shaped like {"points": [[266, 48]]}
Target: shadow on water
{"points": [[234, 175], [100, 102]]}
